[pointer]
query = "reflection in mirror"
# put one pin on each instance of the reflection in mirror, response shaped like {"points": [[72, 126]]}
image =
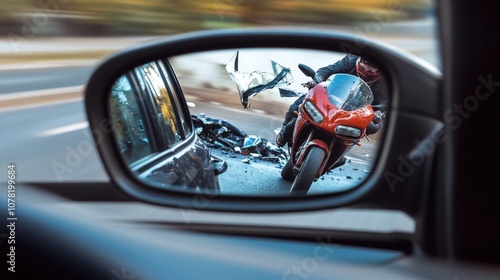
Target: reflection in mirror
{"points": [[251, 121]]}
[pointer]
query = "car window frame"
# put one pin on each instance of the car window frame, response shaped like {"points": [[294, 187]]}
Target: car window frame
{"points": [[176, 93], [139, 99], [160, 134], [162, 150]]}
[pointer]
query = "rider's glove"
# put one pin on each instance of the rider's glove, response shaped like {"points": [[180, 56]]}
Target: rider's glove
{"points": [[318, 78], [378, 117], [309, 84]]}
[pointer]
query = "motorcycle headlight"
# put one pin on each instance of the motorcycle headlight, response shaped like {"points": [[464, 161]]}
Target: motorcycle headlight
{"points": [[348, 131], [313, 112]]}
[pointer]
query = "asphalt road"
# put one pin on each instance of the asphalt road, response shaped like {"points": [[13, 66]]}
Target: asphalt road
{"points": [[50, 143], [13, 81]]}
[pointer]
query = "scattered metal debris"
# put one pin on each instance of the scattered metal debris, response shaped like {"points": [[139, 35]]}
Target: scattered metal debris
{"points": [[222, 135]]}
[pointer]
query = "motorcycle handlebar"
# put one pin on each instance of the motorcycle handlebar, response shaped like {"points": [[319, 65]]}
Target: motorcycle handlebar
{"points": [[309, 85]]}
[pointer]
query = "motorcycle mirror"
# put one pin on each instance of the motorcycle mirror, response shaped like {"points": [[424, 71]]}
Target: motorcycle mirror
{"points": [[308, 71]]}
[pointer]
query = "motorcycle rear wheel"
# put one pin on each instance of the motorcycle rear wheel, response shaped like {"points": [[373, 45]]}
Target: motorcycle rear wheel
{"points": [[308, 171]]}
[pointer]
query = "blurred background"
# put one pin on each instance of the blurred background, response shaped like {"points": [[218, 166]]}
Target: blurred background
{"points": [[163, 17], [31, 27]]}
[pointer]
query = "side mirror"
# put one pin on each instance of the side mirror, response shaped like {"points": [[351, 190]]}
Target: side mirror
{"points": [[160, 152]]}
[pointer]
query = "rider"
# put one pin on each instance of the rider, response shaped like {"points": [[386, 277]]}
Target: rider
{"points": [[350, 64]]}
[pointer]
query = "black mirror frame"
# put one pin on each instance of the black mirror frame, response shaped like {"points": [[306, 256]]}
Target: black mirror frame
{"points": [[414, 115]]}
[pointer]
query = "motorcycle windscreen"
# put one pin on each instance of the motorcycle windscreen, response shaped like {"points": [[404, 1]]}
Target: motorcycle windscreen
{"points": [[251, 82], [349, 92]]}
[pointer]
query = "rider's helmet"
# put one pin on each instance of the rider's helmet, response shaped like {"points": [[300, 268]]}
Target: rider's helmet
{"points": [[367, 71]]}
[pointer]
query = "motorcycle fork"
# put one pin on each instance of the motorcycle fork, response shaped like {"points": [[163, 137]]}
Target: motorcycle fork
{"points": [[331, 145], [328, 155], [325, 160], [299, 151]]}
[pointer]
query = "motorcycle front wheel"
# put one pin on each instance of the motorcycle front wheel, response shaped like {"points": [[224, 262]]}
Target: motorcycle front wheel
{"points": [[308, 171], [287, 171]]}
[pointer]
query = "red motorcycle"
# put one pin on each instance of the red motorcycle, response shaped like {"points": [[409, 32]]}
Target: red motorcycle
{"points": [[332, 119]]}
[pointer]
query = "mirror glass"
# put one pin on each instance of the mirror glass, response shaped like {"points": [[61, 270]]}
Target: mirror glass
{"points": [[259, 122]]}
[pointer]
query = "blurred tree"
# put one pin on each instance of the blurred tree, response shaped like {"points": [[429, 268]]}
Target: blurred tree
{"points": [[159, 17], [10, 13]]}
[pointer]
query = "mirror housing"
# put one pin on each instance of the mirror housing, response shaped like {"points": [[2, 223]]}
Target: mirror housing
{"points": [[414, 107], [308, 71]]}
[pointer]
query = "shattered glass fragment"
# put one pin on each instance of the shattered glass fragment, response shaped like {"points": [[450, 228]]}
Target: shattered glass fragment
{"points": [[250, 82]]}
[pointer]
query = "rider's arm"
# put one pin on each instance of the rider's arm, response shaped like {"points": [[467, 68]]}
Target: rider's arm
{"points": [[345, 65], [380, 91]]}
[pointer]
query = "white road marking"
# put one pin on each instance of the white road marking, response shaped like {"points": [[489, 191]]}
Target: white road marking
{"points": [[63, 129], [258, 111], [39, 93]]}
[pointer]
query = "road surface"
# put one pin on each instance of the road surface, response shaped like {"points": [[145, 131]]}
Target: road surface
{"points": [[22, 80]]}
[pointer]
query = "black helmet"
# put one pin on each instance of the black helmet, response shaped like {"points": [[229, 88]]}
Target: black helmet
{"points": [[367, 71]]}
